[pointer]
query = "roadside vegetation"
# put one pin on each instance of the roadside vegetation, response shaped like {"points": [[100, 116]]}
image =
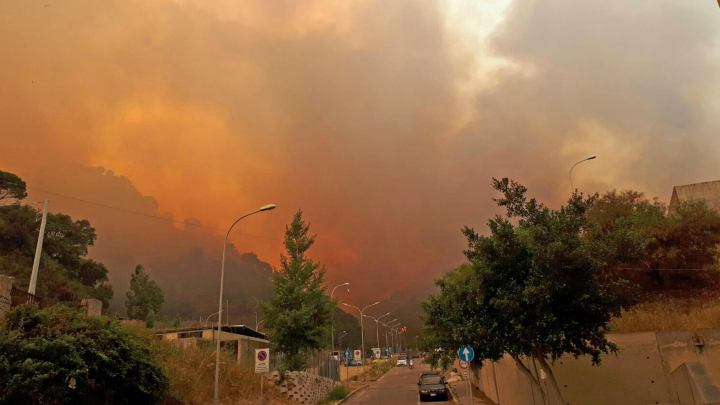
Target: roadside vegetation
{"points": [[550, 282], [337, 394], [669, 314], [58, 355], [66, 274]]}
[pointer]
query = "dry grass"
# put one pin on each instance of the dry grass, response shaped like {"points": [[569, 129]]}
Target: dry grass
{"points": [[670, 314], [191, 373]]}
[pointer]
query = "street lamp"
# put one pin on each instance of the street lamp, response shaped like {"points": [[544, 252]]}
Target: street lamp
{"points": [[572, 190], [377, 327], [385, 324], [362, 330], [208, 318], [392, 333], [340, 336], [332, 315], [222, 279]]}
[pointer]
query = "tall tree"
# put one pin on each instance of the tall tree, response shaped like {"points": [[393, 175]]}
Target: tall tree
{"points": [[534, 290], [298, 316], [144, 297], [66, 275], [11, 186], [652, 245]]}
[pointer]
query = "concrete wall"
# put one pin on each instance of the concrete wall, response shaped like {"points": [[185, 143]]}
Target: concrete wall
{"points": [[6, 283], [306, 388], [641, 374], [92, 306]]}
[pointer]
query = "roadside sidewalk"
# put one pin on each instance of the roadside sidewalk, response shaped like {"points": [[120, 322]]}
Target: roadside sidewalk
{"points": [[460, 394]]}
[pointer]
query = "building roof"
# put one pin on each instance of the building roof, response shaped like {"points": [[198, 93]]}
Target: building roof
{"points": [[236, 329], [710, 191]]}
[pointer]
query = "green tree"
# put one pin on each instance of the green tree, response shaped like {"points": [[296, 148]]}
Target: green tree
{"points": [[652, 245], [298, 316], [11, 186], [66, 275], [533, 289], [58, 355], [177, 321], [66, 241], [144, 295], [150, 319]]}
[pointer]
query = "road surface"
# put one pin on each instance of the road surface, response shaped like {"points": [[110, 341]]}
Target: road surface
{"points": [[397, 387]]}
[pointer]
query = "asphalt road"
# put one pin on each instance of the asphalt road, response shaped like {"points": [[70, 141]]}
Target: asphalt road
{"points": [[397, 387]]}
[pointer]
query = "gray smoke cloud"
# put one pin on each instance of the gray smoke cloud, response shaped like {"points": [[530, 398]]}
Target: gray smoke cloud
{"points": [[352, 112]]}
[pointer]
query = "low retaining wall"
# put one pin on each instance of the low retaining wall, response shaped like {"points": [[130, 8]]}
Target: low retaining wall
{"points": [[641, 374], [306, 388]]}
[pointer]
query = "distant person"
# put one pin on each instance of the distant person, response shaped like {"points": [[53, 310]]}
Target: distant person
{"points": [[411, 364]]}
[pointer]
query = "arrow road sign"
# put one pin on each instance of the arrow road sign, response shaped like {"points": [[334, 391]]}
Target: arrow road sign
{"points": [[466, 353], [347, 354]]}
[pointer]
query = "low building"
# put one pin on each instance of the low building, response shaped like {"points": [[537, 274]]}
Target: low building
{"points": [[238, 338], [709, 191]]}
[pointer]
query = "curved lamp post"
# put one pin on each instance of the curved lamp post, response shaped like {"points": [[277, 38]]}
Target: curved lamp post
{"points": [[222, 278], [377, 327], [385, 324], [208, 318], [392, 334], [362, 331], [340, 336], [332, 315], [572, 190]]}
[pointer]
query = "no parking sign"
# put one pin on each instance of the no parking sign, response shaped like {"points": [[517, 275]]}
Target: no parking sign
{"points": [[262, 360]]}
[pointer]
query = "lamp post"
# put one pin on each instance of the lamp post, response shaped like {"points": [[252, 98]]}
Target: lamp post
{"points": [[392, 334], [377, 328], [362, 330], [385, 324], [208, 318], [572, 189], [340, 336], [222, 279], [332, 315]]}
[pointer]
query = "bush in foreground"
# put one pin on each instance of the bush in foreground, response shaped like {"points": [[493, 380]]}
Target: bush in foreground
{"points": [[58, 355], [336, 394]]}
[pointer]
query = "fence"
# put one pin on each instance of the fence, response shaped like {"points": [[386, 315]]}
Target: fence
{"points": [[19, 297], [322, 363]]}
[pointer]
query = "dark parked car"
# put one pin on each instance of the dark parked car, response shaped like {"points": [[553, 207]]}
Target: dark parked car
{"points": [[432, 386]]}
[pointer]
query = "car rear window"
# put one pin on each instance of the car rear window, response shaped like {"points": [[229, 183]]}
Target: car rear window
{"points": [[432, 379]]}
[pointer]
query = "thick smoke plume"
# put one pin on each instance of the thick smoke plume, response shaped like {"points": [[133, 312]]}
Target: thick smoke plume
{"points": [[371, 116]]}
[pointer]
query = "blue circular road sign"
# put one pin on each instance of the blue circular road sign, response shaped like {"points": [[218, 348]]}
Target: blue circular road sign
{"points": [[466, 353], [347, 354]]}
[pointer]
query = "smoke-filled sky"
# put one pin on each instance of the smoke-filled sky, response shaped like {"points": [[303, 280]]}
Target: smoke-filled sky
{"points": [[384, 120]]}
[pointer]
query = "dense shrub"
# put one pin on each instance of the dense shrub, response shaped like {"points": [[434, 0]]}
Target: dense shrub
{"points": [[336, 394], [58, 355]]}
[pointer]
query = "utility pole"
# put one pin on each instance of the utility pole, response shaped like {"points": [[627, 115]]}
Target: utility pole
{"points": [[38, 250]]}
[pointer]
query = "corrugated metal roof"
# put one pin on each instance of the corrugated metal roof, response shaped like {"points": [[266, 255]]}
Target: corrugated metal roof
{"points": [[709, 190]]}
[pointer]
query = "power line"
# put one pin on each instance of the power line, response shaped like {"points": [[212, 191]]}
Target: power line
{"points": [[133, 212]]}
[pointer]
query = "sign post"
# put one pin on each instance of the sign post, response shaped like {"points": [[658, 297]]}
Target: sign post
{"points": [[262, 365], [347, 354], [467, 354]]}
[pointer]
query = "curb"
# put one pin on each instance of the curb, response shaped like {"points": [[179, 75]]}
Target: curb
{"points": [[454, 394], [351, 394]]}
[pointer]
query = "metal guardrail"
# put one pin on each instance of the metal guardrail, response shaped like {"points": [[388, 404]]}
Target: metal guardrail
{"points": [[19, 297]]}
